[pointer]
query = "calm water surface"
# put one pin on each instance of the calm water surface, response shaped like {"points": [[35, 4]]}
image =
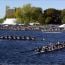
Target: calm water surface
{"points": [[14, 51]]}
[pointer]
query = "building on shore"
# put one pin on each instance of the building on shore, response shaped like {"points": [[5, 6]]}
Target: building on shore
{"points": [[10, 12]]}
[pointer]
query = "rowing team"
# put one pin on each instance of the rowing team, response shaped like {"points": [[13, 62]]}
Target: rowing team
{"points": [[18, 37], [50, 47]]}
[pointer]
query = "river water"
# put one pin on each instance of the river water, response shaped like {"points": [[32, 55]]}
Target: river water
{"points": [[18, 51]]}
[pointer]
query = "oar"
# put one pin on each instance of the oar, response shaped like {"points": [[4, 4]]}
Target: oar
{"points": [[30, 50]]}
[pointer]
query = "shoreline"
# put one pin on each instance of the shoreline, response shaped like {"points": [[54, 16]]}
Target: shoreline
{"points": [[45, 28]]}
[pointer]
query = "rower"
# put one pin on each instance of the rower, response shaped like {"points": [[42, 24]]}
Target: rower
{"points": [[56, 46], [46, 49], [32, 38], [5, 37], [51, 47], [18, 37], [9, 37], [14, 37], [39, 49], [27, 38], [22, 38], [1, 37]]}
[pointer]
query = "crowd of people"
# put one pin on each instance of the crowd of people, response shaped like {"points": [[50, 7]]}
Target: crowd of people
{"points": [[44, 28]]}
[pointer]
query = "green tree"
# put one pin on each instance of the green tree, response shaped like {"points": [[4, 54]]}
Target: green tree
{"points": [[50, 12], [23, 14], [41, 19], [48, 20], [28, 14], [63, 12], [36, 12], [63, 20], [18, 15], [1, 20], [54, 14]]}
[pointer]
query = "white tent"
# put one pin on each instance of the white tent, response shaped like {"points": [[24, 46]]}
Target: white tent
{"points": [[10, 21], [34, 23], [31, 23], [62, 26]]}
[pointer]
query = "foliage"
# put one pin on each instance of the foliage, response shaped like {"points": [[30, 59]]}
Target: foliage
{"points": [[63, 20], [53, 16], [1, 20], [63, 12], [27, 14], [48, 20], [41, 19]]}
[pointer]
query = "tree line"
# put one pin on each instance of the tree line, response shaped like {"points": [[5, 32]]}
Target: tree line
{"points": [[28, 14]]}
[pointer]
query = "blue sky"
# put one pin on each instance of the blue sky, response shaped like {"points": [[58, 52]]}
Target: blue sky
{"points": [[58, 4]]}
